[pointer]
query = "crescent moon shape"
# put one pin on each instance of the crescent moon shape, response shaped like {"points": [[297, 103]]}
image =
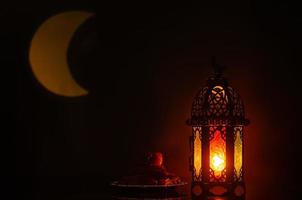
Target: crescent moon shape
{"points": [[48, 53]]}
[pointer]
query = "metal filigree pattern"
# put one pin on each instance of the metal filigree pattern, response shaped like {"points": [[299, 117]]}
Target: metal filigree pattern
{"points": [[217, 102], [216, 179], [238, 108], [197, 108], [240, 177], [221, 129]]}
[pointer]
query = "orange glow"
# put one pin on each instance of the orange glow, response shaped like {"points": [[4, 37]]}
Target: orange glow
{"points": [[197, 151], [238, 151], [217, 154], [218, 162]]}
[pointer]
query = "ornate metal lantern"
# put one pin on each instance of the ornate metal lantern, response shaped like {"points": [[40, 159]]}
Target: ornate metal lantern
{"points": [[216, 144]]}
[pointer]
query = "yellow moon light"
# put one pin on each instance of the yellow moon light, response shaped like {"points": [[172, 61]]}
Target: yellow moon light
{"points": [[48, 53]]}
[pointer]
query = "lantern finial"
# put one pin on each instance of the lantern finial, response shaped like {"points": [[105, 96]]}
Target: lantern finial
{"points": [[218, 69]]}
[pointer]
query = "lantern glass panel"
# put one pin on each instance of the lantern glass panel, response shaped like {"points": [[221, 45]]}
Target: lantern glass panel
{"points": [[217, 153], [197, 152], [238, 152]]}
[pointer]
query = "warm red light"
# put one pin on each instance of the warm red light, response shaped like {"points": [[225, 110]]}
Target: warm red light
{"points": [[217, 154]]}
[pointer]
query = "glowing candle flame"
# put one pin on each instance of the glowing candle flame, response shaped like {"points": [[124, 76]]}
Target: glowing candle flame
{"points": [[218, 163], [217, 154]]}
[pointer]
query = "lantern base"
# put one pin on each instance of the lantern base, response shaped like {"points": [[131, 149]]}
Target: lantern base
{"points": [[201, 190]]}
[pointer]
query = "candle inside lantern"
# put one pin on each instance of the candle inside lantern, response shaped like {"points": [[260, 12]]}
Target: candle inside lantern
{"points": [[217, 154]]}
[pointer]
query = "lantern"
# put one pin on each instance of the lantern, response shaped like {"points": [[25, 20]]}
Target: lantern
{"points": [[216, 143]]}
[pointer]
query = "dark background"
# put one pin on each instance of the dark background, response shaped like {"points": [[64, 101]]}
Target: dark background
{"points": [[142, 64]]}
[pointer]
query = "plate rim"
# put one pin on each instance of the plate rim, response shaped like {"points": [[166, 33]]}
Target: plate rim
{"points": [[115, 183]]}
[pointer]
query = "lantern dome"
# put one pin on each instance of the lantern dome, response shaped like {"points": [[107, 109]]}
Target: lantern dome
{"points": [[217, 102]]}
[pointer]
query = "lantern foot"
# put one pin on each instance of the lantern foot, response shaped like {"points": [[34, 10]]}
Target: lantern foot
{"points": [[239, 190], [208, 191]]}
